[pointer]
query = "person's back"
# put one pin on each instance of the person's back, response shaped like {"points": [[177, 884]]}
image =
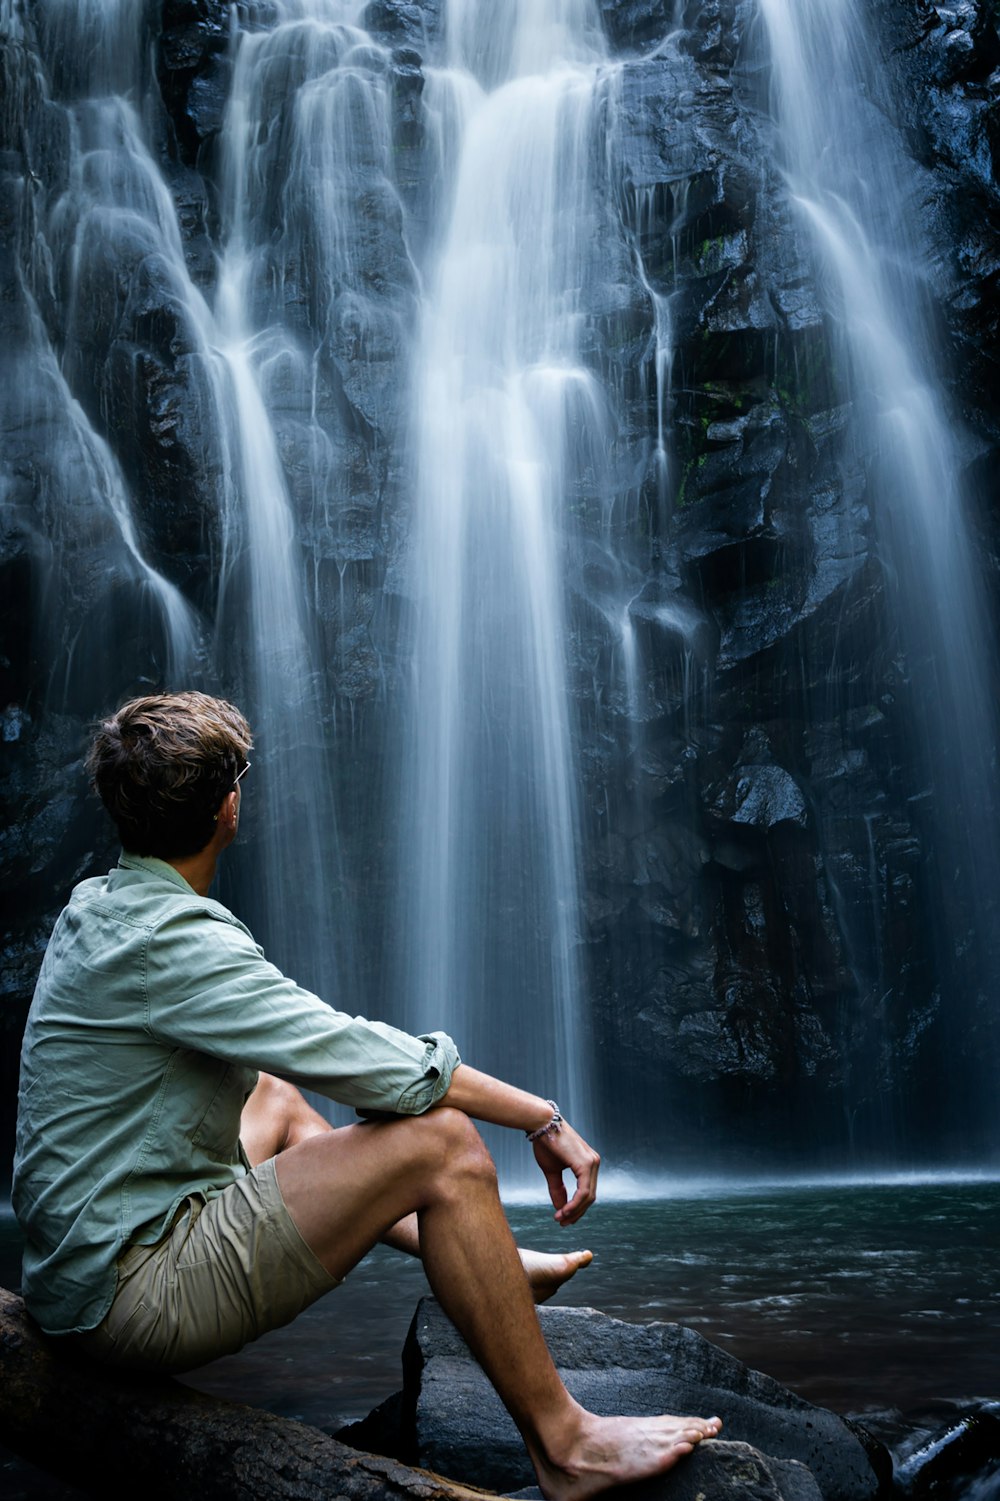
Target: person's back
{"points": [[112, 1134]]}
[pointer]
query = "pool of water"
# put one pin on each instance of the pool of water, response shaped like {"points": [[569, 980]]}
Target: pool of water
{"points": [[858, 1296], [855, 1296]]}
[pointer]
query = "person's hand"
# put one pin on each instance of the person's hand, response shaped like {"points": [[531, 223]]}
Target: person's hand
{"points": [[566, 1149]]}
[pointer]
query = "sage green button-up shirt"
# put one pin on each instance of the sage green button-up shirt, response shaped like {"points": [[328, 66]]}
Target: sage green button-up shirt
{"points": [[154, 1010]]}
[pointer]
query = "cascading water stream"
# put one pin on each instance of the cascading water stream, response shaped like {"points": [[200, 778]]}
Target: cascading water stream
{"points": [[491, 897], [93, 48], [846, 180], [296, 891], [265, 653], [88, 457], [642, 212], [109, 197]]}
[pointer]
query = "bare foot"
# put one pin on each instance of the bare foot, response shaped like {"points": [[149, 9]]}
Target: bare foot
{"points": [[547, 1273], [615, 1451]]}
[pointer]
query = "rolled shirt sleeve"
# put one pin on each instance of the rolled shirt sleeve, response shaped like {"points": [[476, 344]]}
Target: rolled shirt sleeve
{"points": [[210, 988]]}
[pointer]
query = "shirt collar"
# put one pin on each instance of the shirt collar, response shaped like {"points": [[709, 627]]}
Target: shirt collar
{"points": [[154, 867]]}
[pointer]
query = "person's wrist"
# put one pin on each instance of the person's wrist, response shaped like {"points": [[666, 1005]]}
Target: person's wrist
{"points": [[549, 1125]]}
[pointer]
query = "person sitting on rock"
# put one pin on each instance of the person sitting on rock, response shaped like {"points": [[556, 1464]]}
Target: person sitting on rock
{"points": [[176, 1203]]}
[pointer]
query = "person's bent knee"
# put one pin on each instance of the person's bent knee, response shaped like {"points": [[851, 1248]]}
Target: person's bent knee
{"points": [[456, 1144], [276, 1093], [285, 1111]]}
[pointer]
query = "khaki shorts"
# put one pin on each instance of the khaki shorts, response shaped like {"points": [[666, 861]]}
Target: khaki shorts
{"points": [[227, 1270]]}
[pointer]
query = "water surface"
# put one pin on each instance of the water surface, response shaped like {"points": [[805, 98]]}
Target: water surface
{"points": [[856, 1296]]}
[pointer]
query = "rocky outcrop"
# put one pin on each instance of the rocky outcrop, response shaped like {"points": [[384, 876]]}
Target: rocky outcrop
{"points": [[742, 941], [111, 1432], [775, 1444]]}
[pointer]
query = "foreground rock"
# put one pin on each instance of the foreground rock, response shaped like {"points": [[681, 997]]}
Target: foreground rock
{"points": [[120, 1435], [114, 1435], [450, 1419]]}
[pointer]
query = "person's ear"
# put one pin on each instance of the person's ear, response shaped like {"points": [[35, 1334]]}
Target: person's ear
{"points": [[228, 812]]}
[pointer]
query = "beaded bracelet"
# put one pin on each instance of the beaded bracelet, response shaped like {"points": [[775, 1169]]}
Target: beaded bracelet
{"points": [[549, 1129]]}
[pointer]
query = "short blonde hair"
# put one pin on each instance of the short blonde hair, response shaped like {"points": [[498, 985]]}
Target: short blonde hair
{"points": [[162, 766]]}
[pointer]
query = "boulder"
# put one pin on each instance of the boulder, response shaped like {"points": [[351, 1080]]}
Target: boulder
{"points": [[450, 1419], [966, 1449], [115, 1433]]}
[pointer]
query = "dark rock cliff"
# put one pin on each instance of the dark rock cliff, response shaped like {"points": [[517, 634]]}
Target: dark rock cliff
{"points": [[760, 886]]}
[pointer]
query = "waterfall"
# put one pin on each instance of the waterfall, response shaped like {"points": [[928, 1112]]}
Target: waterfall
{"points": [[491, 922], [849, 184], [419, 376]]}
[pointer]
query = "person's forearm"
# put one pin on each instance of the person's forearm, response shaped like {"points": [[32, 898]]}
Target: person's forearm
{"points": [[489, 1099], [555, 1144]]}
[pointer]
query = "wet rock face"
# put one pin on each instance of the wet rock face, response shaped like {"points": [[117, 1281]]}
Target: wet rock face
{"points": [[771, 542], [193, 70], [756, 872], [948, 61]]}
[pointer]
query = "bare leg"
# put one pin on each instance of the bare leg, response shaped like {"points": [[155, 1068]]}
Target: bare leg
{"points": [[546, 1271], [276, 1117], [345, 1189]]}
